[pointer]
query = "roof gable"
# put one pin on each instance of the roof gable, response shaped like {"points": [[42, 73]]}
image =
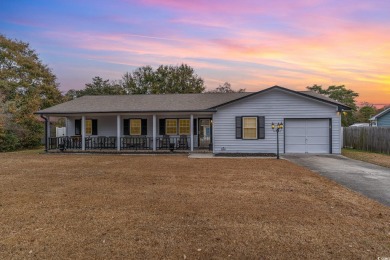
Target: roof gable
{"points": [[308, 94], [384, 112]]}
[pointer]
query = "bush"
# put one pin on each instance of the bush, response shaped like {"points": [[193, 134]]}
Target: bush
{"points": [[9, 142]]}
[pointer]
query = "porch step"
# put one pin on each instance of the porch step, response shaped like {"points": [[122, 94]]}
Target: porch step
{"points": [[201, 155]]}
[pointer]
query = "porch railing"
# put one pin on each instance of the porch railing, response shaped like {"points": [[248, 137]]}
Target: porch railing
{"points": [[173, 143], [126, 143], [136, 143], [63, 143], [100, 142]]}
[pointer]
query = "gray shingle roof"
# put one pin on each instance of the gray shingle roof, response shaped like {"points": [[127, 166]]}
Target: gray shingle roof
{"points": [[160, 103], [143, 103], [320, 96]]}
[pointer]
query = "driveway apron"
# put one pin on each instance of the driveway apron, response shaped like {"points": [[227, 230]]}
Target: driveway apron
{"points": [[368, 179]]}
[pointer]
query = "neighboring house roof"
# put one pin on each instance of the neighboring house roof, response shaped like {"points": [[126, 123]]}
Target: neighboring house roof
{"points": [[384, 112], [162, 102], [360, 125]]}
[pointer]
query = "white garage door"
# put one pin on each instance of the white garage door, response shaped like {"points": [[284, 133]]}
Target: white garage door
{"points": [[307, 135]]}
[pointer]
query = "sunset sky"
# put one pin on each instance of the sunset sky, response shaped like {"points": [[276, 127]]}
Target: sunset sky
{"points": [[252, 44]]}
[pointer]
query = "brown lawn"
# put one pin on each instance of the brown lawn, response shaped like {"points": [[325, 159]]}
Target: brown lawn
{"points": [[375, 158], [172, 207]]}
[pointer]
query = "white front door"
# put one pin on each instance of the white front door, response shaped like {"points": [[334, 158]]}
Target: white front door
{"points": [[307, 136]]}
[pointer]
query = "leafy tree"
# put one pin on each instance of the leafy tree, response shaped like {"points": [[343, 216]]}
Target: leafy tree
{"points": [[225, 88], [365, 112], [27, 85], [164, 80], [343, 95], [141, 81], [97, 87], [8, 141], [145, 80]]}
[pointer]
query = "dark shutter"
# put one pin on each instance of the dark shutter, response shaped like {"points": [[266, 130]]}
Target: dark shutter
{"points": [[77, 127], [126, 126], [195, 126], [238, 127], [144, 127], [161, 125], [261, 127], [94, 127]]}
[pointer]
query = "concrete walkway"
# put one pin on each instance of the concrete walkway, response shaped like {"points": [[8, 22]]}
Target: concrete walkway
{"points": [[368, 179], [212, 156]]}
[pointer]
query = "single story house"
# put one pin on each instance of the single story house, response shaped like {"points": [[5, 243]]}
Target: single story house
{"points": [[219, 122], [382, 119]]}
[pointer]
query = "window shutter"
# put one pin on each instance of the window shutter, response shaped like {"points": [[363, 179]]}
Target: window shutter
{"points": [[144, 127], [126, 126], [238, 127], [261, 127], [161, 123], [77, 127], [94, 127], [195, 126]]}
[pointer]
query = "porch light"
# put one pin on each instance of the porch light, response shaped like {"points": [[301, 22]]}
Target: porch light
{"points": [[279, 127]]}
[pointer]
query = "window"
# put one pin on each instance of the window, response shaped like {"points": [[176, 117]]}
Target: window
{"points": [[249, 128], [77, 126], [135, 127], [184, 126], [171, 126], [88, 127]]}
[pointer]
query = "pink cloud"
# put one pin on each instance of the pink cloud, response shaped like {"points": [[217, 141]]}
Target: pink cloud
{"points": [[231, 6], [344, 53]]}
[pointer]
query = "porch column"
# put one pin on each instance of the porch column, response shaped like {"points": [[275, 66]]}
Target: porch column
{"points": [[66, 126], [212, 132], [48, 131], [118, 132], [83, 133], [154, 133], [192, 132]]}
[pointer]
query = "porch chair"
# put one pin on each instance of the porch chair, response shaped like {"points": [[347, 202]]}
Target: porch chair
{"points": [[165, 142], [182, 142]]}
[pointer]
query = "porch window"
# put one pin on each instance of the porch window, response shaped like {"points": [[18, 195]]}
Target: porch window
{"points": [[249, 127], [88, 127], [135, 127], [171, 126], [184, 126]]}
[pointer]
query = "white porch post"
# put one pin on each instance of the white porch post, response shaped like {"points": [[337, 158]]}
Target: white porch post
{"points": [[154, 133], [212, 131], [83, 133], [118, 132], [66, 126], [48, 130], [192, 132]]}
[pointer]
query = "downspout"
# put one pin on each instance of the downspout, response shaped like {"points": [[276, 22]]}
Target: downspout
{"points": [[46, 121]]}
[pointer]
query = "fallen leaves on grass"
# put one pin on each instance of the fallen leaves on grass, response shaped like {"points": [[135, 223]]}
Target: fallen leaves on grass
{"points": [[111, 206]]}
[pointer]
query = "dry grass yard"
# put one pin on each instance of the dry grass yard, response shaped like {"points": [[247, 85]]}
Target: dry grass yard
{"points": [[171, 207], [375, 158]]}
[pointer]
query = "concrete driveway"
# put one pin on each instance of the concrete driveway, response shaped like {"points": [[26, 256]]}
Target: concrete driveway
{"points": [[368, 179]]}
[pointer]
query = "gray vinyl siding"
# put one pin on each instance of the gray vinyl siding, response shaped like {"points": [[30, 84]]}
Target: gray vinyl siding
{"points": [[106, 125], [384, 121], [276, 105]]}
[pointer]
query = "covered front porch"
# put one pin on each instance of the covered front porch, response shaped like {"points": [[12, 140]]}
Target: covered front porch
{"points": [[129, 133]]}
